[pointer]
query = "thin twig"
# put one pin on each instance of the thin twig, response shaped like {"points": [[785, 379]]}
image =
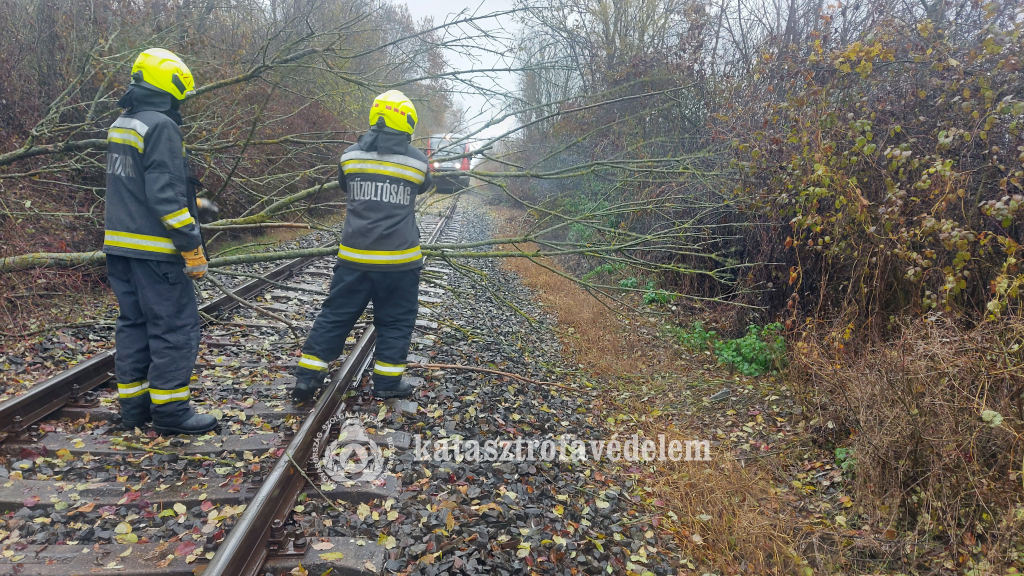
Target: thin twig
{"points": [[249, 305]]}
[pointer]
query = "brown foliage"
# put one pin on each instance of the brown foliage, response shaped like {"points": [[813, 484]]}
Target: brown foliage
{"points": [[919, 415]]}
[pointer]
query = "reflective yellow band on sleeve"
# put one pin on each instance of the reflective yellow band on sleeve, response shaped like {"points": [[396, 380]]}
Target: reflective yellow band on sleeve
{"points": [[379, 256], [312, 362], [385, 369], [139, 242], [177, 219], [128, 137], [165, 396], [132, 389], [131, 124]]}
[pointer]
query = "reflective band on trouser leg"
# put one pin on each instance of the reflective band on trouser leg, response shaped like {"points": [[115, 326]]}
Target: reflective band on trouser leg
{"points": [[177, 219], [385, 369], [379, 256], [312, 363], [132, 389], [165, 396]]}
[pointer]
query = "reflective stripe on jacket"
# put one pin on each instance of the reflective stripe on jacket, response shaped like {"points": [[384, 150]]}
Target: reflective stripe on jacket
{"points": [[150, 204], [382, 184]]}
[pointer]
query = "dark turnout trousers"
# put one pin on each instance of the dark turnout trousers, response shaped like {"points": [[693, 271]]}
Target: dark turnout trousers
{"points": [[157, 339], [395, 303]]}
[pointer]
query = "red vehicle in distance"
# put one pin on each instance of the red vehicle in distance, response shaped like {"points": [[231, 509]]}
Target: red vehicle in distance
{"points": [[450, 175]]}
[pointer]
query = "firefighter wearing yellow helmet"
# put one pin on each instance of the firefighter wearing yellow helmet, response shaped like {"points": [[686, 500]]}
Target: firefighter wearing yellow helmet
{"points": [[379, 257], [154, 248], [396, 110]]}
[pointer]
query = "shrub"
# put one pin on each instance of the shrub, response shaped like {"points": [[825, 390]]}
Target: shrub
{"points": [[760, 351]]}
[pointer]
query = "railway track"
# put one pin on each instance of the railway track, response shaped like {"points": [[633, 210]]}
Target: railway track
{"points": [[87, 497]]}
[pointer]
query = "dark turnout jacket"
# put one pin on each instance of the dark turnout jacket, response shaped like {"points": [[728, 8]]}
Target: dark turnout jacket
{"points": [[150, 204], [382, 174]]}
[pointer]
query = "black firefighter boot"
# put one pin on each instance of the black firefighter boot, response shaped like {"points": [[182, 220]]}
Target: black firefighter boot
{"points": [[193, 424], [391, 387], [307, 382]]}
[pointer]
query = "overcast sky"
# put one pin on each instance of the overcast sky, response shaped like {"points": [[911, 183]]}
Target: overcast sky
{"points": [[479, 109]]}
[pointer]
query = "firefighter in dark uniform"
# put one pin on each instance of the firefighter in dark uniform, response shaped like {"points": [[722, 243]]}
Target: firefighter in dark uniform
{"points": [[379, 258], [154, 249]]}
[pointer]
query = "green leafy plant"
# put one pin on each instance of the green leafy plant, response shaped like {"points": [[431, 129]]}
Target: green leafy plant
{"points": [[609, 268], [759, 351], [845, 459], [695, 338], [653, 296], [630, 282]]}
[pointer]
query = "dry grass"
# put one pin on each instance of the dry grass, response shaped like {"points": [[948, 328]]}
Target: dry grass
{"points": [[928, 468], [593, 335], [728, 517]]}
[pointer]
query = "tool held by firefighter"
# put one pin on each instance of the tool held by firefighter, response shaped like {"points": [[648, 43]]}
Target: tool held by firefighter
{"points": [[379, 258], [154, 248], [208, 211]]}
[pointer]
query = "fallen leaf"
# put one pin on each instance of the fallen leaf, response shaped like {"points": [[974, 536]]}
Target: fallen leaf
{"points": [[185, 548], [323, 546], [363, 511], [329, 556]]}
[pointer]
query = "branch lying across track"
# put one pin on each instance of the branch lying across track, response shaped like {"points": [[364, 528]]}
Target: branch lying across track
{"points": [[221, 227], [250, 306], [490, 371]]}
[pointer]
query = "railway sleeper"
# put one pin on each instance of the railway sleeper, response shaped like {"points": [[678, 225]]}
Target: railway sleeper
{"points": [[352, 559]]}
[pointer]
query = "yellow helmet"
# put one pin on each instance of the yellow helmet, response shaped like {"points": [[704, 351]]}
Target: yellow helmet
{"points": [[163, 70], [396, 110]]}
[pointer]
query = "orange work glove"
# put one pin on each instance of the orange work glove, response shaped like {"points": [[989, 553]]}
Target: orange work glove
{"points": [[195, 263]]}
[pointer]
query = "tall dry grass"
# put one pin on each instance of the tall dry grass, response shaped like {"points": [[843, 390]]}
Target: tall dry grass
{"points": [[934, 421]]}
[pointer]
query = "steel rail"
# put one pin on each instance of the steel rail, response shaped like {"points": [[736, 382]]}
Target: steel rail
{"points": [[244, 550]]}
